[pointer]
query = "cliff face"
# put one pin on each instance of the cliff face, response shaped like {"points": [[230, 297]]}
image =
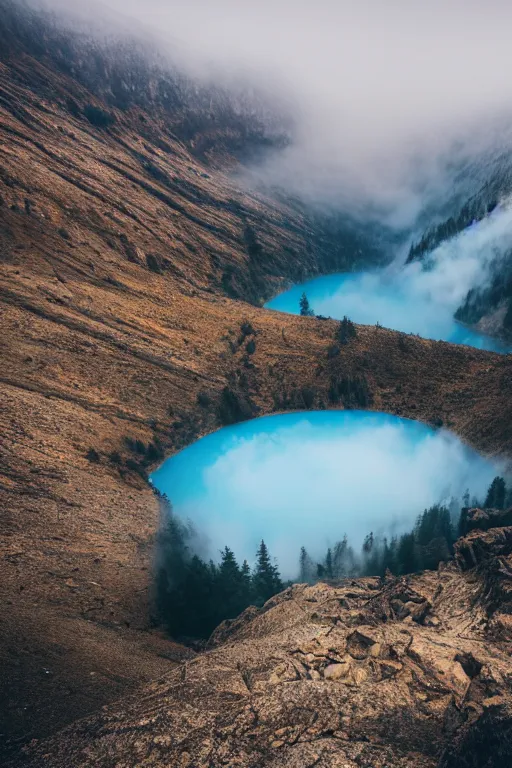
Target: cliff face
{"points": [[402, 672], [121, 252]]}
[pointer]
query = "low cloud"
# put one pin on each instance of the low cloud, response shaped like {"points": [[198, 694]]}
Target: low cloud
{"points": [[390, 100]]}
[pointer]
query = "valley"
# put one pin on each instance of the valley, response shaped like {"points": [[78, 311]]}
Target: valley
{"points": [[134, 271]]}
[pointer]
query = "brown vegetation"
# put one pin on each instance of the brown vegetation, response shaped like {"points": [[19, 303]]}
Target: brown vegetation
{"points": [[122, 315]]}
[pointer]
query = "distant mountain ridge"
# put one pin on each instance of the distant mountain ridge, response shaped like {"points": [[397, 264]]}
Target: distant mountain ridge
{"points": [[125, 74]]}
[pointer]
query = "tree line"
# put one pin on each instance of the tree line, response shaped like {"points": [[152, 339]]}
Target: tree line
{"points": [[424, 547], [473, 211], [194, 595], [429, 543]]}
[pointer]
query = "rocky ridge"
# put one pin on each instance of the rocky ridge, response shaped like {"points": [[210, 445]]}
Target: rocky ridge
{"points": [[402, 672]]}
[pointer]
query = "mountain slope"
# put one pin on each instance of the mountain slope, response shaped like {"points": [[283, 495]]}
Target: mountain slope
{"points": [[129, 263]]}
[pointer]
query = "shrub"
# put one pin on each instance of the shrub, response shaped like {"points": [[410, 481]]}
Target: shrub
{"points": [[203, 399], [352, 391], [98, 117], [247, 329], [254, 248], [137, 446], [233, 408], [227, 278], [346, 331], [156, 172], [134, 466], [308, 396], [92, 455], [154, 452], [73, 107], [153, 263]]}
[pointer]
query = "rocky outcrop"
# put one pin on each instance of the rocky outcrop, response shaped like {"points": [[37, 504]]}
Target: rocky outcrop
{"points": [[489, 554], [478, 547], [483, 519], [400, 672]]}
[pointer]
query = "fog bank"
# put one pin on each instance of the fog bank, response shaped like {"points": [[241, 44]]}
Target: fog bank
{"points": [[420, 297], [389, 99]]}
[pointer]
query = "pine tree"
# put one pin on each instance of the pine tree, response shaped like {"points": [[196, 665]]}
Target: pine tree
{"points": [[389, 560], [372, 555], [463, 522], [228, 597], [305, 567], [305, 308], [229, 571], [368, 544], [199, 614], [346, 331], [266, 578], [434, 537], [329, 565], [406, 554], [172, 557], [246, 584], [351, 562], [339, 559], [496, 494]]}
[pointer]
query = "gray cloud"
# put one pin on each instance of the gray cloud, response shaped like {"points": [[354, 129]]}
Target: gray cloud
{"points": [[386, 95]]}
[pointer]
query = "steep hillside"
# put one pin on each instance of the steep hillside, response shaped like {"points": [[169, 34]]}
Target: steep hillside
{"points": [[129, 263], [410, 672]]}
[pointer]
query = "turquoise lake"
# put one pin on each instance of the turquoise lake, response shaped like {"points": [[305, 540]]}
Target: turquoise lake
{"points": [[307, 478], [407, 300]]}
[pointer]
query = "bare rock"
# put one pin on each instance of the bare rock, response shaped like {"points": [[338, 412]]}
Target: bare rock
{"points": [[478, 546], [337, 671], [289, 688]]}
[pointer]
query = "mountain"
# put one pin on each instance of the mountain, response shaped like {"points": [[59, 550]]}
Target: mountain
{"points": [[131, 260]]}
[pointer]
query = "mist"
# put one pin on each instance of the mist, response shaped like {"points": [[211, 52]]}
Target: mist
{"points": [[420, 297], [390, 101], [306, 479]]}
